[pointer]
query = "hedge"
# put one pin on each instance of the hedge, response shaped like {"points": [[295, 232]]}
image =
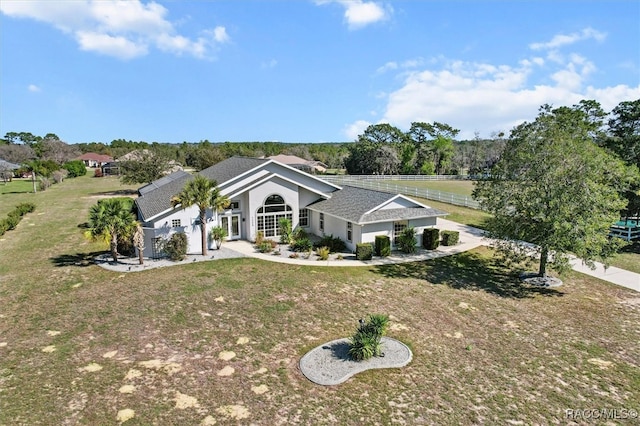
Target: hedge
{"points": [[431, 238], [364, 251], [383, 245], [450, 238]]}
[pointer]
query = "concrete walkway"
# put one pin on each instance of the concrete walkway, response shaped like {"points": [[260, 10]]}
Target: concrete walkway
{"points": [[470, 238]]}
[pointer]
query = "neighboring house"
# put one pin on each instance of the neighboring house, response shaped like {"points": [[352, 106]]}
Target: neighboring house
{"points": [[93, 160], [6, 170], [262, 191], [309, 166]]}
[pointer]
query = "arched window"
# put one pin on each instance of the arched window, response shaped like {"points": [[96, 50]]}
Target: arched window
{"points": [[269, 214]]}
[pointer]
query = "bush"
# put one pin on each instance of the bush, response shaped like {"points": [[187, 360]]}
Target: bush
{"points": [[75, 168], [383, 245], [323, 253], [431, 238], [24, 208], [334, 244], [12, 221], [407, 240], [59, 175], [364, 251], [302, 245], [284, 225], [3, 227], [299, 233], [176, 246], [265, 246], [365, 343], [45, 183], [450, 238], [259, 237], [97, 172]]}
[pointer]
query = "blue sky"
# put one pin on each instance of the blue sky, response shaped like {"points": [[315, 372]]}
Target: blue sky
{"points": [[304, 70]]}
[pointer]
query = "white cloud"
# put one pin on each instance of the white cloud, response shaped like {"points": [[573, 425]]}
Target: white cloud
{"points": [[123, 29], [560, 40], [269, 64], [359, 13], [352, 130], [488, 98], [33, 88]]}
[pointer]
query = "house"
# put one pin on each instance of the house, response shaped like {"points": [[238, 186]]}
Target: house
{"points": [[263, 191], [309, 166], [93, 160]]}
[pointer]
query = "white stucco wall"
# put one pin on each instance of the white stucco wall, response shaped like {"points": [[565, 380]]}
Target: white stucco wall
{"points": [[257, 195]]}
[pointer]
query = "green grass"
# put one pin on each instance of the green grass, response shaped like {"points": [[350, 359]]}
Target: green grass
{"points": [[460, 187], [486, 349], [16, 186]]}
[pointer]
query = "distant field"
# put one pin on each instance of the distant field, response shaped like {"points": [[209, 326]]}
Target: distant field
{"points": [[460, 187]]}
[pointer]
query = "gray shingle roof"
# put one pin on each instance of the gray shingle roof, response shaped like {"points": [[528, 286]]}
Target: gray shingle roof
{"points": [[158, 199], [231, 167], [7, 165], [352, 204], [155, 197]]}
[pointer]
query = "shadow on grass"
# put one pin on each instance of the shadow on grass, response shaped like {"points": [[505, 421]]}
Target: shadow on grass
{"points": [[467, 271], [116, 193], [78, 259]]}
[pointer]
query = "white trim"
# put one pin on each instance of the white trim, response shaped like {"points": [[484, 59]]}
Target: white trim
{"points": [[252, 185]]}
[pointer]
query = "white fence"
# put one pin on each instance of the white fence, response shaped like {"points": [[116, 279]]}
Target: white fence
{"points": [[403, 177], [429, 194]]}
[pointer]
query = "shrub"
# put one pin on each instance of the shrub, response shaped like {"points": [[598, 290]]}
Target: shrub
{"points": [[24, 208], [176, 246], [217, 235], [323, 253], [284, 225], [450, 238], [407, 240], [365, 343], [75, 168], [364, 251], [97, 172], [265, 246], [45, 183], [334, 244], [59, 175], [299, 233], [3, 227], [431, 238], [303, 244], [259, 237], [12, 221], [383, 245]]}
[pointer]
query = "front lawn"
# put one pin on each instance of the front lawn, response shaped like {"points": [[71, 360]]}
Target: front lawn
{"points": [[221, 340]]}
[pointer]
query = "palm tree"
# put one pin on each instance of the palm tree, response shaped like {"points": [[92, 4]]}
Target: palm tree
{"points": [[204, 193], [109, 220]]}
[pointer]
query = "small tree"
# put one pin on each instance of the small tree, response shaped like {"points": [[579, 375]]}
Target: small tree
{"points": [[217, 235], [285, 230]]}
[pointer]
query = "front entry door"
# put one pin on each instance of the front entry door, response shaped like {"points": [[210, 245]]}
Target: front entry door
{"points": [[232, 225]]}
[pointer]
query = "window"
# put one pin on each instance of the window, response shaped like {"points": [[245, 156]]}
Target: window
{"points": [[269, 214], [176, 223], [322, 222], [234, 205], [349, 231], [398, 227], [304, 218]]}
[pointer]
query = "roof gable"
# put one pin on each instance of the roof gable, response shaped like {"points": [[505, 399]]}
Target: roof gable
{"points": [[359, 205]]}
